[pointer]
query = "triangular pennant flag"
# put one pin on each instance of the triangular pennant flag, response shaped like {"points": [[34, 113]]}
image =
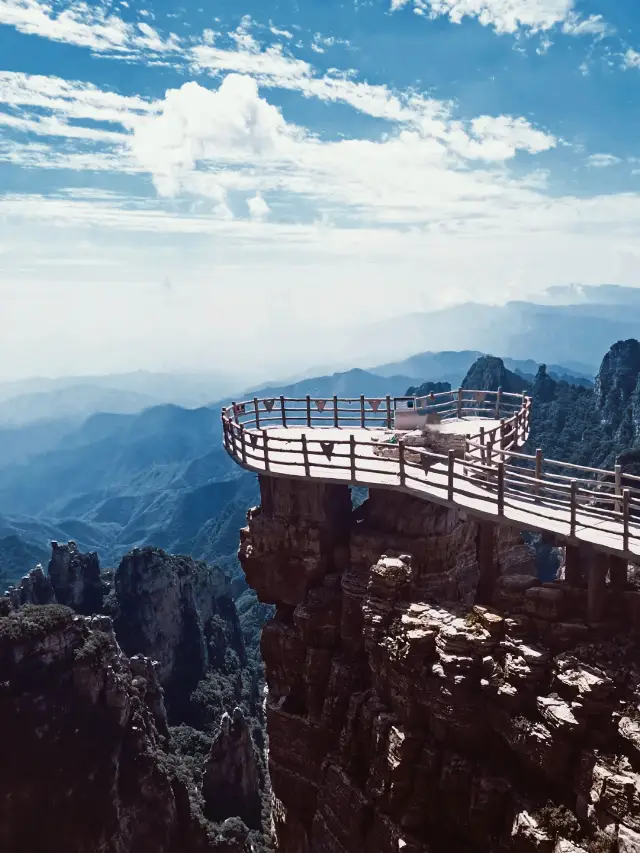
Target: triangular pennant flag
{"points": [[327, 448], [375, 404], [269, 404], [254, 439], [320, 404]]}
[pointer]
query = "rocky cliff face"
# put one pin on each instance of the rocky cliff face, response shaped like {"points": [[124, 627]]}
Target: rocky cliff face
{"points": [[617, 388], [488, 373], [401, 718], [175, 619], [82, 763], [164, 608], [231, 783]]}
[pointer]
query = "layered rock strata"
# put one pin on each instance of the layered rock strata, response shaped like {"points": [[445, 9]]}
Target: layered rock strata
{"points": [[404, 717]]}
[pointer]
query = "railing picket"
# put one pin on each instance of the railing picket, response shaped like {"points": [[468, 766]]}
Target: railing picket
{"points": [[483, 452], [573, 508], [256, 407], [265, 444], [283, 407], [618, 484], [401, 461], [501, 488], [459, 403], [308, 402], [498, 402], [305, 455], [362, 420], [450, 474], [243, 444], [352, 456], [335, 412], [388, 412], [538, 473], [626, 498]]}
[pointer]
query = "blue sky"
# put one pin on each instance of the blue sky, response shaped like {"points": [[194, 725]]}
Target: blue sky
{"points": [[182, 182]]}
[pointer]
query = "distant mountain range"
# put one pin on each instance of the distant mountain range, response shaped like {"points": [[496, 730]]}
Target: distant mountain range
{"points": [[119, 479]]}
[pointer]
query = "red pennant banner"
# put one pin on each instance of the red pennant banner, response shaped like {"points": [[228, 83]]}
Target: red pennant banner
{"points": [[320, 404], [327, 448], [375, 404], [239, 408], [254, 440], [269, 404]]}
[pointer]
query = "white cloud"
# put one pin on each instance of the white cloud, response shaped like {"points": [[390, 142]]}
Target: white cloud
{"points": [[84, 25], [602, 161], [258, 207], [509, 16], [632, 59], [197, 125]]}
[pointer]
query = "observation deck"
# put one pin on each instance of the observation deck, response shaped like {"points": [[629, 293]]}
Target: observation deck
{"points": [[459, 448]]}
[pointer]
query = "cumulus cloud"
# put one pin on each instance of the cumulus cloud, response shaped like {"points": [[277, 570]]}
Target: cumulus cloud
{"points": [[196, 125], [631, 59], [258, 207], [509, 16]]}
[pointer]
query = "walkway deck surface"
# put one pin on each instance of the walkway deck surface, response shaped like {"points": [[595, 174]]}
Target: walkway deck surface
{"points": [[286, 459]]}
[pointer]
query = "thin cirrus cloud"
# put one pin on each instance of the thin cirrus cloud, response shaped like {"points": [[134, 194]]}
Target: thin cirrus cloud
{"points": [[85, 26]]}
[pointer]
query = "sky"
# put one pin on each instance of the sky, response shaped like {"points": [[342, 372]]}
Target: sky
{"points": [[208, 185]]}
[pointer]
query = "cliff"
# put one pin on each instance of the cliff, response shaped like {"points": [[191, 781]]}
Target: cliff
{"points": [[169, 607], [403, 717], [179, 614], [488, 373], [82, 764]]}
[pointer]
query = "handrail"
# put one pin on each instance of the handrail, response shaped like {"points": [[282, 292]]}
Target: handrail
{"points": [[490, 478]]}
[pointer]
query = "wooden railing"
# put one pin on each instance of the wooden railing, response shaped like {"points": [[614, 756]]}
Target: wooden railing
{"points": [[556, 496]]}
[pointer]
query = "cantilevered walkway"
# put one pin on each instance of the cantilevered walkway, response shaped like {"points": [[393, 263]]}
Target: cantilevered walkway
{"points": [[360, 442]]}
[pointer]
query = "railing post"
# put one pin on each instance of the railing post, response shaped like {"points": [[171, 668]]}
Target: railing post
{"points": [[618, 486], [234, 407], [232, 427], [459, 403], [498, 402], [305, 455], [401, 460], [308, 401], [450, 474], [388, 412], [573, 508], [483, 452], [243, 444], [352, 456], [489, 452], [501, 488], [256, 406], [362, 411], [335, 411], [265, 444], [225, 433], [516, 423], [538, 473], [502, 439], [283, 408], [626, 499]]}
